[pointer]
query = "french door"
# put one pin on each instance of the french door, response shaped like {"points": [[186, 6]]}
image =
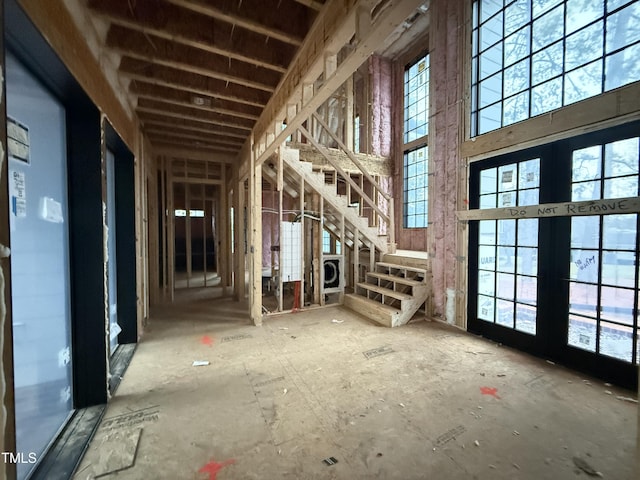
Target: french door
{"points": [[564, 287]]}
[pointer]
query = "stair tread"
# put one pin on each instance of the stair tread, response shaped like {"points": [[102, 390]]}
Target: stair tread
{"points": [[316, 181], [381, 306], [385, 291], [402, 267], [393, 278]]}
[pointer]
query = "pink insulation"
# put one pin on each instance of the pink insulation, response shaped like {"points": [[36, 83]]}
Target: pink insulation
{"points": [[447, 18], [380, 73], [270, 228]]}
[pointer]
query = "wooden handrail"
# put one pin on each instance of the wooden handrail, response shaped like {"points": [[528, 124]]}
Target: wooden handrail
{"points": [[322, 149], [351, 156]]}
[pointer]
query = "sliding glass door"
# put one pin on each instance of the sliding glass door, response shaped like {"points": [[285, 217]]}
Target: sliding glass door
{"points": [[39, 261]]}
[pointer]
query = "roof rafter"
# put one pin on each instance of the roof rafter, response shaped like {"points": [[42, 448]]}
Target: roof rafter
{"points": [[235, 19], [160, 51], [186, 99], [148, 118], [153, 106], [192, 82], [196, 30], [311, 4]]}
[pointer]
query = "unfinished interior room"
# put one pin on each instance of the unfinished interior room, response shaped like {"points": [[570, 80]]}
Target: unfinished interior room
{"points": [[320, 239]]}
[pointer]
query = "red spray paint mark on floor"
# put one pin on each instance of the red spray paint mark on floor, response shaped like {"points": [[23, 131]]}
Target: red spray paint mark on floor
{"points": [[206, 340], [212, 468], [490, 391]]}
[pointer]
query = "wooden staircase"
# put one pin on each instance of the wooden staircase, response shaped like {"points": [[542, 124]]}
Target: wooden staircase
{"points": [[391, 294], [338, 204]]}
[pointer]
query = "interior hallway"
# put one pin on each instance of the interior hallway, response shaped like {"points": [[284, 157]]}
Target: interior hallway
{"points": [[423, 401]]}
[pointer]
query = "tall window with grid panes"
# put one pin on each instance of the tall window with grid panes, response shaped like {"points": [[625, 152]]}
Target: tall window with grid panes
{"points": [[415, 138]]}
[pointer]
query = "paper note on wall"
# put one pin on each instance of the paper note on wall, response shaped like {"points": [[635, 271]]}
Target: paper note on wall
{"points": [[18, 193]]}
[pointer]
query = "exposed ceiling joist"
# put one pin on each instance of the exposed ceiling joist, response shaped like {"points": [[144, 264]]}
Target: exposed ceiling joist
{"points": [[180, 97], [193, 85], [171, 77], [217, 11], [187, 153], [176, 142], [159, 51], [188, 112], [311, 4], [190, 28], [194, 125], [158, 131]]}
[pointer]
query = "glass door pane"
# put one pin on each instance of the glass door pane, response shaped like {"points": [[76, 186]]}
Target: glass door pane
{"points": [[112, 272], [508, 249], [39, 261], [603, 298]]}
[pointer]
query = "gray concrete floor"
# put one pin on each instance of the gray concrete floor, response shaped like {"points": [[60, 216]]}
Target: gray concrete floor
{"points": [[424, 401]]}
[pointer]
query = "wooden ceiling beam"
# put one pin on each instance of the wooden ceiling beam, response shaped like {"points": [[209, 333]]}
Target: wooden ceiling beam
{"points": [[159, 51], [179, 97], [174, 133], [311, 4], [172, 77], [161, 140], [194, 125], [190, 28], [240, 18], [169, 110], [173, 152]]}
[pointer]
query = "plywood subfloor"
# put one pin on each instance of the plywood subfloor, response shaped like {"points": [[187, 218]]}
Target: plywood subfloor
{"points": [[422, 401]]}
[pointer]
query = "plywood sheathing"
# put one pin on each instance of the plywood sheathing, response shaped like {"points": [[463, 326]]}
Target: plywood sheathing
{"points": [[380, 76], [445, 118]]}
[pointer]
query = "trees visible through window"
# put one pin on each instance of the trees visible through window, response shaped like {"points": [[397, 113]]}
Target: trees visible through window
{"points": [[416, 100], [415, 138], [533, 56], [415, 188]]}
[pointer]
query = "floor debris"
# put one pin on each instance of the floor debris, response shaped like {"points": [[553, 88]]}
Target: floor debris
{"points": [[118, 452], [200, 363], [585, 467], [330, 461], [627, 399], [476, 443], [337, 321]]}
